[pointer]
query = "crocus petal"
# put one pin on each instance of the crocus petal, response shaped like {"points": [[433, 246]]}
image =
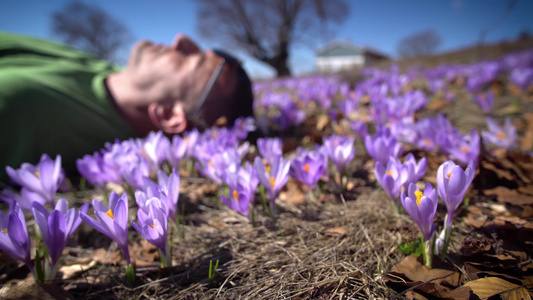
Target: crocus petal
{"points": [[456, 182], [99, 206], [41, 218], [18, 235], [57, 235], [62, 205], [94, 224], [77, 218]]}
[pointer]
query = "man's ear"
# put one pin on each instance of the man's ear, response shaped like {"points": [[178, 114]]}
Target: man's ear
{"points": [[170, 119]]}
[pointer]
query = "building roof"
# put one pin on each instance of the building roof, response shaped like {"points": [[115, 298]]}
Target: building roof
{"points": [[339, 49], [343, 48]]}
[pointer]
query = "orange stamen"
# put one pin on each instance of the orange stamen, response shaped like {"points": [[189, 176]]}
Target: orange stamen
{"points": [[388, 172], [272, 182], [501, 135], [419, 196], [464, 149], [151, 225], [236, 195], [4, 230], [306, 168], [267, 168], [37, 174], [110, 213]]}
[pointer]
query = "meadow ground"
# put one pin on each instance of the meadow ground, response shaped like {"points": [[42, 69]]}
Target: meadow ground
{"points": [[326, 246]]}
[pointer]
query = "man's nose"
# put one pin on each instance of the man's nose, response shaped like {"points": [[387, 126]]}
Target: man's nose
{"points": [[185, 45]]}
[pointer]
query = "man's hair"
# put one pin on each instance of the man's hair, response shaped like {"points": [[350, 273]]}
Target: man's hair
{"points": [[238, 103]]}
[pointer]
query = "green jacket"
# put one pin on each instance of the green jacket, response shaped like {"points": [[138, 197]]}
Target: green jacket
{"points": [[53, 100]]}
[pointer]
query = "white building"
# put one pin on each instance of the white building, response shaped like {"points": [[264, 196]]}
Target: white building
{"points": [[338, 56]]}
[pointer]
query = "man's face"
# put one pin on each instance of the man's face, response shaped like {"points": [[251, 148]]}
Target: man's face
{"points": [[178, 72]]}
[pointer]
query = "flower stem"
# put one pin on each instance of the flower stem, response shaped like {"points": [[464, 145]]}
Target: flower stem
{"points": [[444, 238], [394, 207], [130, 273], [428, 250]]}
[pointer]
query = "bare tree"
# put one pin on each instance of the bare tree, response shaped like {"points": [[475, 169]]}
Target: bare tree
{"points": [[422, 43], [266, 29], [89, 28]]}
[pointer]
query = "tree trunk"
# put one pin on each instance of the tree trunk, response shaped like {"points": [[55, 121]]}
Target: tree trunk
{"points": [[279, 62], [282, 70]]}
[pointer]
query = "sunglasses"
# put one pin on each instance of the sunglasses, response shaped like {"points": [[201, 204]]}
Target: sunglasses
{"points": [[226, 59]]}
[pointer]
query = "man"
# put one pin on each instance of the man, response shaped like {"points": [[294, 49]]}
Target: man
{"points": [[56, 100]]}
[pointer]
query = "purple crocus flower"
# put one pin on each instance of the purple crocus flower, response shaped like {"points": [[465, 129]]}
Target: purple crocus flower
{"points": [[167, 190], [248, 175], [359, 127], [522, 77], [502, 137], [238, 199], [340, 150], [97, 171], [416, 170], [191, 139], [14, 239], [270, 148], [155, 149], [273, 177], [243, 126], [383, 145], [153, 226], [465, 148], [308, 167], [43, 179], [112, 221], [56, 227], [170, 188], [421, 206], [135, 171], [392, 178], [25, 199], [453, 183], [176, 151], [425, 131], [485, 101]]}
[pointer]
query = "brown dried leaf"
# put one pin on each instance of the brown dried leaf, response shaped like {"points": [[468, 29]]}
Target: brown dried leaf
{"points": [[144, 254], [508, 110], [412, 269], [481, 270], [414, 296], [527, 141], [322, 122], [528, 190], [501, 173], [29, 289], [478, 218], [294, 193], [437, 104], [337, 231], [491, 286], [527, 212], [104, 256], [510, 196], [75, 270]]}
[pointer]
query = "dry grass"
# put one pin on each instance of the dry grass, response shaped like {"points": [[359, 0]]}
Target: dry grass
{"points": [[315, 250]]}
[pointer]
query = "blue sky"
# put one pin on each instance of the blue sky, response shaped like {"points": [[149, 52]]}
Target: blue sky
{"points": [[380, 24]]}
